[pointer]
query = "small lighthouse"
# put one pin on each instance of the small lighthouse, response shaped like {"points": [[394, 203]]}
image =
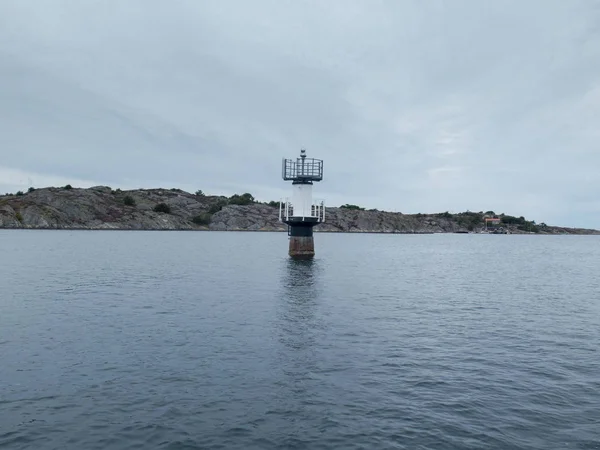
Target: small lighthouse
{"points": [[301, 213]]}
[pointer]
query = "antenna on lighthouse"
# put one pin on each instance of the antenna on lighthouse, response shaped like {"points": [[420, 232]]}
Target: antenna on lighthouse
{"points": [[300, 213]]}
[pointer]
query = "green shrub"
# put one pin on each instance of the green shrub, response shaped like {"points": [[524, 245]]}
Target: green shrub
{"points": [[129, 200], [353, 207], [469, 219], [31, 189], [273, 203], [199, 193], [19, 193], [511, 220], [244, 199], [216, 207], [162, 208], [68, 187], [19, 217], [202, 219]]}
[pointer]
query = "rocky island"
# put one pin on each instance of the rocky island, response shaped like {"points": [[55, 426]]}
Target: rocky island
{"points": [[103, 208]]}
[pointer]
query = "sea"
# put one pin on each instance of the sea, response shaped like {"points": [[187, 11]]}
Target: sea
{"points": [[218, 340]]}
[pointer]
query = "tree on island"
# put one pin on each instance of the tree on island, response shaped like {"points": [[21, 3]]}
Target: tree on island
{"points": [[162, 208], [244, 199], [129, 200], [202, 219], [353, 207]]}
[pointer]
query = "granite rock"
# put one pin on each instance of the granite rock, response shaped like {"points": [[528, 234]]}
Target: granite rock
{"points": [[101, 207]]}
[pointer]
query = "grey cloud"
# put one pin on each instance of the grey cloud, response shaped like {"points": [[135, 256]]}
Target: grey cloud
{"points": [[415, 106]]}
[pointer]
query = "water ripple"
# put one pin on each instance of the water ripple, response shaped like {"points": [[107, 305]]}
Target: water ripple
{"points": [[205, 340]]}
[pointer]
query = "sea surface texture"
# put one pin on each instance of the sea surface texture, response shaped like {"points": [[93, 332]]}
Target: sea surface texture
{"points": [[206, 340]]}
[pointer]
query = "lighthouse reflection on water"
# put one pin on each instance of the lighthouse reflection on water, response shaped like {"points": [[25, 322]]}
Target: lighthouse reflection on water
{"points": [[300, 297], [301, 327]]}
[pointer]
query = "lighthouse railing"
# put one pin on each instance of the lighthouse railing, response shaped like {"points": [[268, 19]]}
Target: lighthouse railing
{"points": [[309, 169], [318, 210], [286, 210]]}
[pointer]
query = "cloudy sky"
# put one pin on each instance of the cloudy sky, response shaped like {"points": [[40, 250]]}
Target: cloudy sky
{"points": [[415, 106]]}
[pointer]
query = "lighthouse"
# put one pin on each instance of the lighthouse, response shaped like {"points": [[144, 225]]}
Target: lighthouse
{"points": [[301, 213]]}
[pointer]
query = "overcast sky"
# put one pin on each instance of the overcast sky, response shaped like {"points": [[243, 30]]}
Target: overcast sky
{"points": [[415, 106]]}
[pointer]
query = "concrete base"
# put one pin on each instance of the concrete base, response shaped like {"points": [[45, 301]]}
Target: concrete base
{"points": [[302, 247]]}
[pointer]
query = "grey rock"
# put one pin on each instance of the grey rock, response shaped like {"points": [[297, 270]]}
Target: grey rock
{"points": [[100, 207], [8, 217]]}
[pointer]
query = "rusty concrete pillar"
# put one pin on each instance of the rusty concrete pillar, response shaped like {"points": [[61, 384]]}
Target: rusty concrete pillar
{"points": [[302, 244], [302, 247]]}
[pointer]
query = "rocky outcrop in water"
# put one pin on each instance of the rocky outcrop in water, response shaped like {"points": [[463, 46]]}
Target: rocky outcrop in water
{"points": [[171, 209]]}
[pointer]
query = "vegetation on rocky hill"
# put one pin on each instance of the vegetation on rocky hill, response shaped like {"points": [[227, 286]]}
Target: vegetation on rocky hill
{"points": [[101, 207]]}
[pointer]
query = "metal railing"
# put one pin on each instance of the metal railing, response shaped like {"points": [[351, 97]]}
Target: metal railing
{"points": [[286, 211], [309, 169]]}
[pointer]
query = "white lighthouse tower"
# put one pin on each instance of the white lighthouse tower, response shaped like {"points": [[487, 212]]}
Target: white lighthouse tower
{"points": [[301, 213]]}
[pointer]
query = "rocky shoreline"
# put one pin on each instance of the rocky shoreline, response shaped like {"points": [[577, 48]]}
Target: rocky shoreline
{"points": [[102, 208]]}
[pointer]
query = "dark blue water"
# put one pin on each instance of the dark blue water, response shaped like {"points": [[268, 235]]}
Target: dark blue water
{"points": [[192, 340]]}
